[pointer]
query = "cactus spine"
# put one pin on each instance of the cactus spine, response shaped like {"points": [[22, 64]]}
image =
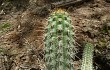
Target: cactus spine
{"points": [[59, 42], [87, 62]]}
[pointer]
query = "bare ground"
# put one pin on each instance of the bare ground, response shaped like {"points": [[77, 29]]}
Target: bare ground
{"points": [[24, 41]]}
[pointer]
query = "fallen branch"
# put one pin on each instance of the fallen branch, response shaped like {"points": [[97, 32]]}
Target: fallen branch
{"points": [[68, 3]]}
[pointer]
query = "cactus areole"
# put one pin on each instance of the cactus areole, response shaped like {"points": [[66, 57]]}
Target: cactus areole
{"points": [[59, 42]]}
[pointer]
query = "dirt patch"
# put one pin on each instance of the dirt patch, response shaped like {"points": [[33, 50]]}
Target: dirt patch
{"points": [[24, 41]]}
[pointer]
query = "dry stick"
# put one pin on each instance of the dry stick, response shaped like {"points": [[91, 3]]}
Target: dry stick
{"points": [[68, 3]]}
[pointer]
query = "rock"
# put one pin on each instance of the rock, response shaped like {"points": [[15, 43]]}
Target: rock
{"points": [[108, 24], [41, 11]]}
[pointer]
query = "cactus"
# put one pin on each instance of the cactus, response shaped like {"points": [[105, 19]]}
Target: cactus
{"points": [[87, 62], [59, 42]]}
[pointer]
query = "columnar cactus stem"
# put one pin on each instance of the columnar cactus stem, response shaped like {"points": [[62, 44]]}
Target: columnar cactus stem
{"points": [[59, 42], [87, 62]]}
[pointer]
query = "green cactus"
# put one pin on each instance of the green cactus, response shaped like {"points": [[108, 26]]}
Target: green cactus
{"points": [[59, 42], [87, 62]]}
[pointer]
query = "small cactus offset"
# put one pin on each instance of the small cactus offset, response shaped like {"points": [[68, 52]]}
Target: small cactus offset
{"points": [[59, 42], [87, 62]]}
